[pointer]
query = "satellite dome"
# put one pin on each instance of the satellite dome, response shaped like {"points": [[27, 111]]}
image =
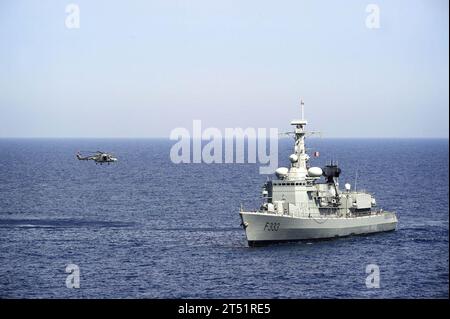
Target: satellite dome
{"points": [[281, 172], [293, 158], [315, 172]]}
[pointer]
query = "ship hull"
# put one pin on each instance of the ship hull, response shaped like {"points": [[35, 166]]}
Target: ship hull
{"points": [[262, 228]]}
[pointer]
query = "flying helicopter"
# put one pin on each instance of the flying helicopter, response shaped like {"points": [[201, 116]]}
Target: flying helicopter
{"points": [[98, 157]]}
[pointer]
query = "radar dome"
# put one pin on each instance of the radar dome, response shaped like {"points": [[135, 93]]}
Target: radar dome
{"points": [[281, 172], [315, 172], [293, 158]]}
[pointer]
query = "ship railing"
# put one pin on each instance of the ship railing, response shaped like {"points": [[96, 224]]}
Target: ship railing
{"points": [[306, 211], [329, 212], [361, 191]]}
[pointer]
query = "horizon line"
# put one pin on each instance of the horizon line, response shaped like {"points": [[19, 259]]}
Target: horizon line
{"points": [[168, 138]]}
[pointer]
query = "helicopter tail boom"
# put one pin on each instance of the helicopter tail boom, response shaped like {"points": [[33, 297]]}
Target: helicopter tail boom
{"points": [[81, 158]]}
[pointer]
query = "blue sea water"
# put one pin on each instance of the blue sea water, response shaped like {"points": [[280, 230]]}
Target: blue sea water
{"points": [[147, 228]]}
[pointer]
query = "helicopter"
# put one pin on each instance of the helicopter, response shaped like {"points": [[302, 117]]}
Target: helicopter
{"points": [[98, 157]]}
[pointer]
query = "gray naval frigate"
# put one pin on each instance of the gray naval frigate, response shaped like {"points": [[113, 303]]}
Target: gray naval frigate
{"points": [[301, 205]]}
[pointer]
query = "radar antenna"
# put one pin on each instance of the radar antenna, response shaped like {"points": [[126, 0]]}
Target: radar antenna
{"points": [[302, 107]]}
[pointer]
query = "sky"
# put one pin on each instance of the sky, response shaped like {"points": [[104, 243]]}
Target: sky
{"points": [[143, 68]]}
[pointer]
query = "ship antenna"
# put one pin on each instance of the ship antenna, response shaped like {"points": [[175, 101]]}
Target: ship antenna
{"points": [[302, 107], [356, 178]]}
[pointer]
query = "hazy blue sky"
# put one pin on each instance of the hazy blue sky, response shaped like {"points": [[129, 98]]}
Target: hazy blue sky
{"points": [[142, 68]]}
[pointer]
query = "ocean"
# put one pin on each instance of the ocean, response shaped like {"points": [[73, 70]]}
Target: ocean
{"points": [[147, 228]]}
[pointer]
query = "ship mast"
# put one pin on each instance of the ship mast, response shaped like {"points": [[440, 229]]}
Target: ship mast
{"points": [[299, 158]]}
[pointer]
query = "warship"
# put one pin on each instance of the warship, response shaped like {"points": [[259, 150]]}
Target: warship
{"points": [[301, 205]]}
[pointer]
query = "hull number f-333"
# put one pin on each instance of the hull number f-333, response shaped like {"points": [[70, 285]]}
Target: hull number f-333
{"points": [[272, 226]]}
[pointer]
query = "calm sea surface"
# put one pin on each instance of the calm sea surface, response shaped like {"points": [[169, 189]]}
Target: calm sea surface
{"points": [[147, 228]]}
